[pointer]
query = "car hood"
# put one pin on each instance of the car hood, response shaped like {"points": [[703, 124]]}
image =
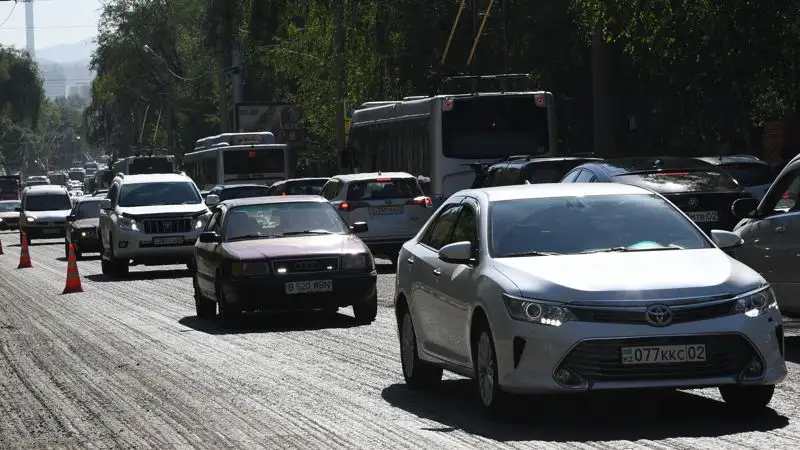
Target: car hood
{"points": [[86, 223], [629, 276], [293, 246], [48, 215], [9, 215], [197, 208]]}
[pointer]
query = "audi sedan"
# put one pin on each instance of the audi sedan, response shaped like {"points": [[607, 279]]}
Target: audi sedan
{"points": [[555, 288], [279, 254]]}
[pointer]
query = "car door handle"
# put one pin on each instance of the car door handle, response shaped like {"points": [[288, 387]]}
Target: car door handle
{"points": [[780, 229], [410, 261], [437, 272]]}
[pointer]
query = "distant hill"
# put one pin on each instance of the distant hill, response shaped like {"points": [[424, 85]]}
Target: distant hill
{"points": [[67, 53]]}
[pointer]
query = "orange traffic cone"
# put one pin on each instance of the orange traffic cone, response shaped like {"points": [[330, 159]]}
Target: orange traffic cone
{"points": [[73, 278], [24, 256]]}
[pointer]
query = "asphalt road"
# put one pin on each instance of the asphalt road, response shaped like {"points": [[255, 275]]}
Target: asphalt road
{"points": [[127, 364]]}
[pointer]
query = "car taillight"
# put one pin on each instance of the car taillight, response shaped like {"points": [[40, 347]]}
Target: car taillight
{"points": [[349, 206], [425, 202], [344, 206]]}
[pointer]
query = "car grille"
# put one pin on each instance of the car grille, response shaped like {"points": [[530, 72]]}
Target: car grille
{"points": [[163, 226], [306, 265], [680, 314], [601, 360]]}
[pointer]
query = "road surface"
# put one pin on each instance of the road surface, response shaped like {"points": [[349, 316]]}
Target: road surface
{"points": [[127, 364]]}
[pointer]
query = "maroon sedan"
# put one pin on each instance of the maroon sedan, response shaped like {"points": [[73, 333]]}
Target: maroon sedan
{"points": [[279, 254]]}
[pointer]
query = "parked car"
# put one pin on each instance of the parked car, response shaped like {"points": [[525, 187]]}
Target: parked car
{"points": [[556, 288], [701, 190], [753, 174], [82, 225], [282, 253], [298, 186], [9, 214]]}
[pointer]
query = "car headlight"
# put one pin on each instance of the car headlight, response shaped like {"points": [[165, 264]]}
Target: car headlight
{"points": [[30, 219], [85, 232], [357, 262], [754, 304], [249, 269], [127, 223], [201, 222], [537, 311]]}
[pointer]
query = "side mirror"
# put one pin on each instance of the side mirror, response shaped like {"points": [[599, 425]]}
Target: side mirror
{"points": [[359, 227], [212, 200], [210, 237], [71, 218], [105, 204], [456, 253], [725, 239], [744, 208]]}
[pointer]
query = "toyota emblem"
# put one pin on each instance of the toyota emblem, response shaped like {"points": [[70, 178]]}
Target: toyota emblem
{"points": [[306, 265], [658, 315], [693, 202]]}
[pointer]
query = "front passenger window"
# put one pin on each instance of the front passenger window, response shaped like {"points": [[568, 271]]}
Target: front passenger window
{"points": [[439, 234], [466, 228]]}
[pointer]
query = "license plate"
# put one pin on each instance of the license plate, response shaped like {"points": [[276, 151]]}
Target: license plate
{"points": [[384, 210], [51, 230], [664, 354], [704, 216], [305, 287], [176, 240]]}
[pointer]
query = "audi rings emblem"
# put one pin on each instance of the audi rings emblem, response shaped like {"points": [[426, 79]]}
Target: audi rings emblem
{"points": [[658, 315], [306, 265], [693, 202]]}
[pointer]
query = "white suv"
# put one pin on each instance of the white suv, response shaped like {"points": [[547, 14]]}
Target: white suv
{"points": [[391, 203], [150, 219]]}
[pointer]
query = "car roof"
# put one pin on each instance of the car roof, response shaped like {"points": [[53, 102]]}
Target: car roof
{"points": [[622, 166], [274, 199], [154, 178], [292, 180], [732, 159], [234, 186], [45, 189], [534, 160], [552, 190], [372, 175]]}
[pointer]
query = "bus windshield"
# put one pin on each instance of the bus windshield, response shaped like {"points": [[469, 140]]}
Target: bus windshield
{"points": [[495, 126], [251, 161]]}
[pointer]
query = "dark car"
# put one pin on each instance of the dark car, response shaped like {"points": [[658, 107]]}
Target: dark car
{"points": [[282, 253], [9, 214], [531, 170], [298, 186], [232, 191], [755, 175], [702, 190], [82, 223]]}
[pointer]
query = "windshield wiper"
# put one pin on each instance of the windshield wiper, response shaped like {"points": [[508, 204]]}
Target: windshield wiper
{"points": [[295, 233], [627, 249], [521, 254], [254, 236]]}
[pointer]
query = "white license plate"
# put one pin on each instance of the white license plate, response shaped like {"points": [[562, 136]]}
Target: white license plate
{"points": [[176, 240], [384, 210], [305, 287], [51, 230], [664, 354], [704, 216]]}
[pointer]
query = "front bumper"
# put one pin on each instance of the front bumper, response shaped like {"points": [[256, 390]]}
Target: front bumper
{"points": [[142, 248], [85, 241], [9, 224], [269, 293], [530, 355], [50, 231]]}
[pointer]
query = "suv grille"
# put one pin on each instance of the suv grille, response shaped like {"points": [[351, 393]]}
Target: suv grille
{"points": [[680, 314], [601, 360], [311, 265], [163, 226]]}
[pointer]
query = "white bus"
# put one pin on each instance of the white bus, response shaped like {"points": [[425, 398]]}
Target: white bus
{"points": [[238, 158], [440, 137]]}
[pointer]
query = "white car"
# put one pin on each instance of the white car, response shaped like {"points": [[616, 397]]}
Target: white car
{"points": [[391, 203], [554, 288]]}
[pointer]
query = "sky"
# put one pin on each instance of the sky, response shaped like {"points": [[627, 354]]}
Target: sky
{"points": [[55, 21]]}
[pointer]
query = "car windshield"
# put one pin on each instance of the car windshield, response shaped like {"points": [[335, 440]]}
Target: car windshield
{"points": [[283, 219], [48, 202], [164, 193], [384, 189], [88, 210], [9, 206], [570, 225]]}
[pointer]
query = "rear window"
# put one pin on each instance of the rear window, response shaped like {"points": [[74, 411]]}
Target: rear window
{"points": [[88, 210], [682, 181], [243, 192], [549, 172], [384, 189], [77, 175], [310, 187], [749, 175]]}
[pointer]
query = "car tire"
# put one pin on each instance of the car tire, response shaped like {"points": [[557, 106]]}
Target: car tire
{"points": [[492, 397], [119, 267], [418, 374], [366, 312], [107, 267], [205, 308], [228, 312], [747, 398]]}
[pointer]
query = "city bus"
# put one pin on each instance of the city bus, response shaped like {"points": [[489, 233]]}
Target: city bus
{"points": [[441, 138], [239, 158], [10, 187], [140, 165]]}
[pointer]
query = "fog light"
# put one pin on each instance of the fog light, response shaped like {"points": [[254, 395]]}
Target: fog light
{"points": [[754, 369], [567, 378], [123, 244], [562, 375]]}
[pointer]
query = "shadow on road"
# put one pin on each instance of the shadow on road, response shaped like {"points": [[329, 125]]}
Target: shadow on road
{"points": [[628, 416], [82, 258], [144, 275], [271, 323]]}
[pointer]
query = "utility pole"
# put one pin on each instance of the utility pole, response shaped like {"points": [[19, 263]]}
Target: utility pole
{"points": [[603, 110], [339, 41], [237, 81], [222, 87]]}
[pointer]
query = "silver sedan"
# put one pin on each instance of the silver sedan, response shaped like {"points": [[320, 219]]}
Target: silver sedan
{"points": [[575, 287]]}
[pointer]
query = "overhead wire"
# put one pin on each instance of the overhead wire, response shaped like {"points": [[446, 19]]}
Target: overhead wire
{"points": [[9, 14]]}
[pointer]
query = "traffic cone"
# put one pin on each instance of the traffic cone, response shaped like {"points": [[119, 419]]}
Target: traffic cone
{"points": [[24, 256], [73, 277]]}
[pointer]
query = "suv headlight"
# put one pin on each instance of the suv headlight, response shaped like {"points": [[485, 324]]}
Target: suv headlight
{"points": [[357, 262], [126, 223], [756, 303], [249, 269], [537, 311]]}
